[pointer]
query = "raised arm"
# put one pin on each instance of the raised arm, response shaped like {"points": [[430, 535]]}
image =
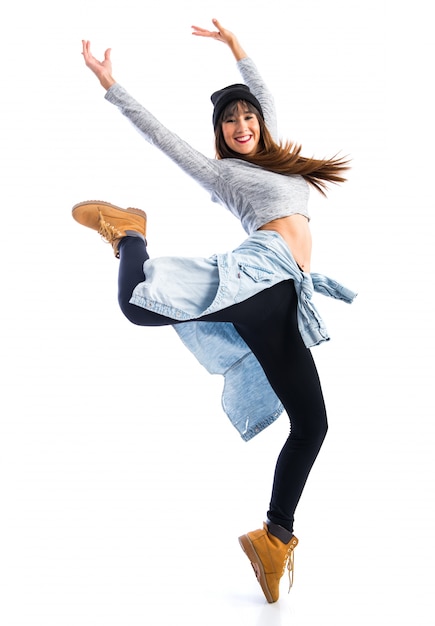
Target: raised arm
{"points": [[223, 35], [194, 163], [247, 69]]}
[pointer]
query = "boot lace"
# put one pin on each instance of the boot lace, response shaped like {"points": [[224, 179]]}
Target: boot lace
{"points": [[109, 233], [289, 562]]}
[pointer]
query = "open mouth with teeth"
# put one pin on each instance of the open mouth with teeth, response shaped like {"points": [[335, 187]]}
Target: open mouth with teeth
{"points": [[243, 139]]}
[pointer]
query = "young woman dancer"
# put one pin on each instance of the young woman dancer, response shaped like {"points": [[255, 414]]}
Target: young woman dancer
{"points": [[248, 313]]}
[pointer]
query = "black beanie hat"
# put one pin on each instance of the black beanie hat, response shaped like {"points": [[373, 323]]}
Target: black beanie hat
{"points": [[228, 94]]}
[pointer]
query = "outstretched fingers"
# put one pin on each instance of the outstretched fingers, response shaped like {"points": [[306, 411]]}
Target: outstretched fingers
{"points": [[204, 32], [101, 69]]}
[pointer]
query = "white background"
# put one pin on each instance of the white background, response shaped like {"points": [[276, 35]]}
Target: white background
{"points": [[123, 487]]}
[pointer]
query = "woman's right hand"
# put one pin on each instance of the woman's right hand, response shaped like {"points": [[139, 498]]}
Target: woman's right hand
{"points": [[101, 69]]}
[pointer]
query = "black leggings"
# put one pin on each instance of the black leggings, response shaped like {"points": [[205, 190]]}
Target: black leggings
{"points": [[268, 324]]}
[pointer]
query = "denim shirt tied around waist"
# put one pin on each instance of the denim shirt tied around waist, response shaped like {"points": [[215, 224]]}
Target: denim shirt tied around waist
{"points": [[188, 288]]}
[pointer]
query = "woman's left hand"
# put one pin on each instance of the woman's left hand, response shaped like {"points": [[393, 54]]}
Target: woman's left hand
{"points": [[221, 34], [101, 69]]}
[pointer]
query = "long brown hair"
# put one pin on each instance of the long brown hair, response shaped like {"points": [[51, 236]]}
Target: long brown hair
{"points": [[281, 158]]}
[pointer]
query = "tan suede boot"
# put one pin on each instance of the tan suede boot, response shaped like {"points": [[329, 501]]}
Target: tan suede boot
{"points": [[110, 221], [269, 557]]}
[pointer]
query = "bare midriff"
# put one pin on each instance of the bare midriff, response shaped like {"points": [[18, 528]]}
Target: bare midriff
{"points": [[295, 231]]}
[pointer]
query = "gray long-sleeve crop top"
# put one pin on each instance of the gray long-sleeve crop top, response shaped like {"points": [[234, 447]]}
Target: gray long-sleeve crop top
{"points": [[254, 195]]}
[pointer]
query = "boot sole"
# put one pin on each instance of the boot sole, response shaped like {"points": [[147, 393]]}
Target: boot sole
{"points": [[82, 210], [257, 566]]}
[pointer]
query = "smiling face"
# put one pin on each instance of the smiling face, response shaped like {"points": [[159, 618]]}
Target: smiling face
{"points": [[241, 129]]}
